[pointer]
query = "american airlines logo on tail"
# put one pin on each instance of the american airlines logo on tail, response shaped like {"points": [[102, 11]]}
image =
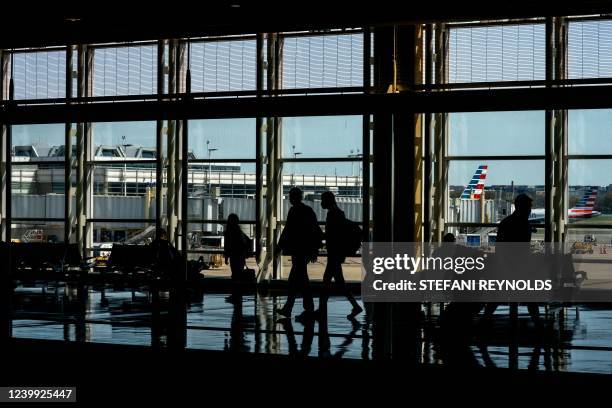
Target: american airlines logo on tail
{"points": [[475, 188], [584, 207]]}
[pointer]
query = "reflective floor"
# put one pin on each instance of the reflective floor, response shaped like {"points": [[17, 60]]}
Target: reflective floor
{"points": [[578, 339]]}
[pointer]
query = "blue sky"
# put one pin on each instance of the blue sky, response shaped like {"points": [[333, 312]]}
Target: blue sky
{"points": [[487, 134]]}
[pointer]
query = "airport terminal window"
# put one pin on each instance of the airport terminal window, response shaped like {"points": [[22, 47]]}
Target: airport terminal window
{"points": [[496, 52], [124, 182], [106, 233], [324, 154], [221, 182], [589, 49], [322, 137], [223, 65], [127, 70], [323, 61], [479, 133], [222, 139], [588, 131], [39, 74], [589, 196], [589, 223], [206, 244], [37, 182], [589, 149], [489, 165], [345, 181]]}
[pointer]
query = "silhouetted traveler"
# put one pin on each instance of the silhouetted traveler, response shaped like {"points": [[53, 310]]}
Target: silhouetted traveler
{"points": [[236, 247], [335, 236], [301, 239], [516, 228], [236, 250]]}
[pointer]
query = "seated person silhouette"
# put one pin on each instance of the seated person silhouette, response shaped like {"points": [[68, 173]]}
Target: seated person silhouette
{"points": [[166, 258]]}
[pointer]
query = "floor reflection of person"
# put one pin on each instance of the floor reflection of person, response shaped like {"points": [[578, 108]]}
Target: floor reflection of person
{"points": [[307, 337], [237, 341]]}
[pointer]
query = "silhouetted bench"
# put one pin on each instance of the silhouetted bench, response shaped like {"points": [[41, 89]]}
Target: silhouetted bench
{"points": [[43, 261], [137, 262], [126, 258]]}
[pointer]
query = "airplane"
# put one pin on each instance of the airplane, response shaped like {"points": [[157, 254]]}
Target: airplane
{"points": [[582, 209]]}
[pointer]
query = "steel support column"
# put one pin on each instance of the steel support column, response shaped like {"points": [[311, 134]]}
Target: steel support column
{"points": [[366, 140], [407, 181], [181, 146], [560, 134], [172, 210], [427, 150], [81, 135], [549, 163], [382, 178], [439, 195], [69, 214], [270, 267], [161, 156], [556, 135], [408, 141], [5, 149], [88, 187], [382, 162], [260, 157], [5, 198]]}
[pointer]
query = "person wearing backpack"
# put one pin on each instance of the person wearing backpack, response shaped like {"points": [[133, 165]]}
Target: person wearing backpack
{"points": [[301, 239], [339, 235], [236, 247], [235, 251]]}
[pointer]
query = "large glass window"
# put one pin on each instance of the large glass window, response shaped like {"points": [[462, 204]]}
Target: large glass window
{"points": [[493, 157], [39, 74], [589, 52], [497, 52], [590, 157], [223, 65], [221, 182], [323, 61], [589, 199], [37, 183], [124, 182], [324, 154], [128, 70]]}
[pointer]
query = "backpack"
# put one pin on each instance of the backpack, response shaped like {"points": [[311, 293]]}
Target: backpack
{"points": [[354, 236]]}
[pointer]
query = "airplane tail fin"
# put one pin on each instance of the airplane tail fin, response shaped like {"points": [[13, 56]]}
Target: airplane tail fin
{"points": [[585, 205], [475, 188]]}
